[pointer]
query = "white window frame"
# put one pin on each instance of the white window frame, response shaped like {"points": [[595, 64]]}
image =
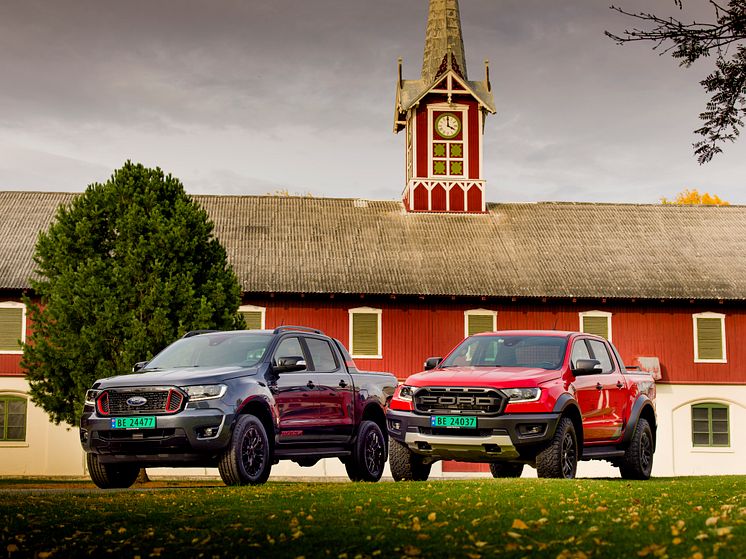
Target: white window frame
{"points": [[254, 308], [591, 314], [15, 305], [721, 316], [471, 312], [366, 310]]}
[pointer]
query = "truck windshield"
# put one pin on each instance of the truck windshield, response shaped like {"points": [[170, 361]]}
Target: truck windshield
{"points": [[541, 352], [213, 350]]}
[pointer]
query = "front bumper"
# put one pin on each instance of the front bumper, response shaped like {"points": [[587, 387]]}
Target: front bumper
{"points": [[497, 438], [177, 439]]}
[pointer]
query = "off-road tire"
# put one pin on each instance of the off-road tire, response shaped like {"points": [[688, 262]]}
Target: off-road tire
{"points": [[559, 459], [638, 458], [248, 458], [111, 476], [405, 464], [368, 454], [505, 469]]}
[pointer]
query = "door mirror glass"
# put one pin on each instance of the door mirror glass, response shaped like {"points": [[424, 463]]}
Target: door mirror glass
{"points": [[289, 364]]}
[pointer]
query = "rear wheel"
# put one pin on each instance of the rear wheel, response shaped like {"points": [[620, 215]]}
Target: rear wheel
{"points": [[247, 460], [405, 464], [506, 469], [560, 458], [111, 476], [368, 454], [638, 459]]}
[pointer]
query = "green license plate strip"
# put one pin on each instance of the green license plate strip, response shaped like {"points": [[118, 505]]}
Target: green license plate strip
{"points": [[453, 422], [144, 422]]}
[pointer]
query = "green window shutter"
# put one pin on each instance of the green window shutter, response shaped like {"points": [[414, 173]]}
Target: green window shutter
{"points": [[479, 323], [12, 419], [598, 325], [11, 329], [365, 334], [253, 319], [710, 338], [710, 425]]}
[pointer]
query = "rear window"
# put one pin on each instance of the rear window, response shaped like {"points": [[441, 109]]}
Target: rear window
{"points": [[542, 352]]}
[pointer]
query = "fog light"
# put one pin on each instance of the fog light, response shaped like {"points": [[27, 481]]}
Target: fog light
{"points": [[206, 432], [531, 429], [395, 425]]}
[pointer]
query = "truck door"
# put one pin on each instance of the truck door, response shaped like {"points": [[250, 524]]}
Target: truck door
{"points": [[613, 392], [294, 394], [589, 394], [334, 391]]}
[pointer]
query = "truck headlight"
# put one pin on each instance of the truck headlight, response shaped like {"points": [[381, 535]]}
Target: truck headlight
{"points": [[405, 393], [205, 391], [516, 395], [90, 397]]}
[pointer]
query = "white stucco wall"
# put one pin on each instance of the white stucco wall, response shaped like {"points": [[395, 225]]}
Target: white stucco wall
{"points": [[54, 450], [49, 450]]}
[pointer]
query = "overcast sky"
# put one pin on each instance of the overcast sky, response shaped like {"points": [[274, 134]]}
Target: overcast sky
{"points": [[254, 96]]}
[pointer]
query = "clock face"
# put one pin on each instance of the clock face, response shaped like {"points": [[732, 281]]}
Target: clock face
{"points": [[448, 125]]}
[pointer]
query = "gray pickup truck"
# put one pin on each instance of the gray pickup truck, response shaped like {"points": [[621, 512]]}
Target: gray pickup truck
{"points": [[239, 401]]}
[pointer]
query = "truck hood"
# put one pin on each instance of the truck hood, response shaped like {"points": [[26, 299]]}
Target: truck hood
{"points": [[494, 377], [182, 376]]}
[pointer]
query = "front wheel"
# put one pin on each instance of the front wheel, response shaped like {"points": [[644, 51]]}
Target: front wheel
{"points": [[638, 458], [247, 460], [368, 454], [405, 464], [560, 458], [113, 475], [505, 469]]}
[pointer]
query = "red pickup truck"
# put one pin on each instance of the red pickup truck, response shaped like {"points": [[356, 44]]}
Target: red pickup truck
{"points": [[542, 398]]}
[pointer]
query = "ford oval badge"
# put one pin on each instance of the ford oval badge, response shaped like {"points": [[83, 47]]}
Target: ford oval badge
{"points": [[136, 401]]}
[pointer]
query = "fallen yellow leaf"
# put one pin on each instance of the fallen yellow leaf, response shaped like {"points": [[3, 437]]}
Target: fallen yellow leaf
{"points": [[519, 524]]}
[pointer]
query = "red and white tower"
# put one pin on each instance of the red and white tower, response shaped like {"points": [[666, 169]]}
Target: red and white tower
{"points": [[443, 114]]}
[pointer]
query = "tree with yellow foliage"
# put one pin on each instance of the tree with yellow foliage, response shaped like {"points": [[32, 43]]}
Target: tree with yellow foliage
{"points": [[694, 198]]}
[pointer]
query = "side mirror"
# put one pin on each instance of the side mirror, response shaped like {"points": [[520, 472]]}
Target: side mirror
{"points": [[289, 365], [432, 362], [587, 367], [139, 366]]}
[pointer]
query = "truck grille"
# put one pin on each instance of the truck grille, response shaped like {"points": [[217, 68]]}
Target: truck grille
{"points": [[450, 400], [138, 401]]}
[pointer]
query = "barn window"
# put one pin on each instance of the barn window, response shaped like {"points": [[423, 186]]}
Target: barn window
{"points": [[479, 320], [253, 316], [596, 322], [709, 338], [710, 425], [12, 326], [365, 332], [12, 418]]}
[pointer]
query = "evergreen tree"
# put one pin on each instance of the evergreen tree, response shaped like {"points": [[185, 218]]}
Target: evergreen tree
{"points": [[128, 267]]}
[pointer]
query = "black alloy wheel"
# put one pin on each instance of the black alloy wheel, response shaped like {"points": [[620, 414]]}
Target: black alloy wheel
{"points": [[253, 451]]}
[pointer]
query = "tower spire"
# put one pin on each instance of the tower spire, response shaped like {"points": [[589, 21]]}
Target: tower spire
{"points": [[444, 43]]}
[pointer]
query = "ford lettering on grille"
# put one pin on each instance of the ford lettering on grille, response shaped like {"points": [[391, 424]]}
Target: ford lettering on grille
{"points": [[477, 401]]}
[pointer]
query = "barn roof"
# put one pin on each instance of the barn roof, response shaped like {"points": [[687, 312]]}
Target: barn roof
{"points": [[327, 245]]}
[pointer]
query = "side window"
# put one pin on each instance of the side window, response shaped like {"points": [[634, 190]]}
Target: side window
{"points": [[12, 326], [602, 354], [289, 347], [709, 338], [365, 332], [596, 322], [321, 355], [12, 418], [479, 320], [579, 351], [253, 316], [710, 425]]}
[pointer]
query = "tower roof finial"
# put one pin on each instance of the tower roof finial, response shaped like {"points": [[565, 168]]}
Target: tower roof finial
{"points": [[443, 40]]}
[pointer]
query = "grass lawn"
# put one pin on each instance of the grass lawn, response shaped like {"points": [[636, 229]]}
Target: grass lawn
{"points": [[684, 517]]}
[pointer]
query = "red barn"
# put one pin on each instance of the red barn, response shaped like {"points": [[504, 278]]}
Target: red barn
{"points": [[402, 281]]}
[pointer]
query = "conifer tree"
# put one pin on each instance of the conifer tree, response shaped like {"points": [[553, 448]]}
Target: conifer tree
{"points": [[129, 266]]}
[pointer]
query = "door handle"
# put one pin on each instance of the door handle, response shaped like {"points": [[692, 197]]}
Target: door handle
{"points": [[599, 386], [342, 383], [311, 384], [619, 384]]}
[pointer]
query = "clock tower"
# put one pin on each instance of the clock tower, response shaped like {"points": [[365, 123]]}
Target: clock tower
{"points": [[443, 116]]}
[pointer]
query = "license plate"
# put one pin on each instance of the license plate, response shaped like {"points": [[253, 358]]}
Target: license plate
{"points": [[144, 422], [453, 421]]}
